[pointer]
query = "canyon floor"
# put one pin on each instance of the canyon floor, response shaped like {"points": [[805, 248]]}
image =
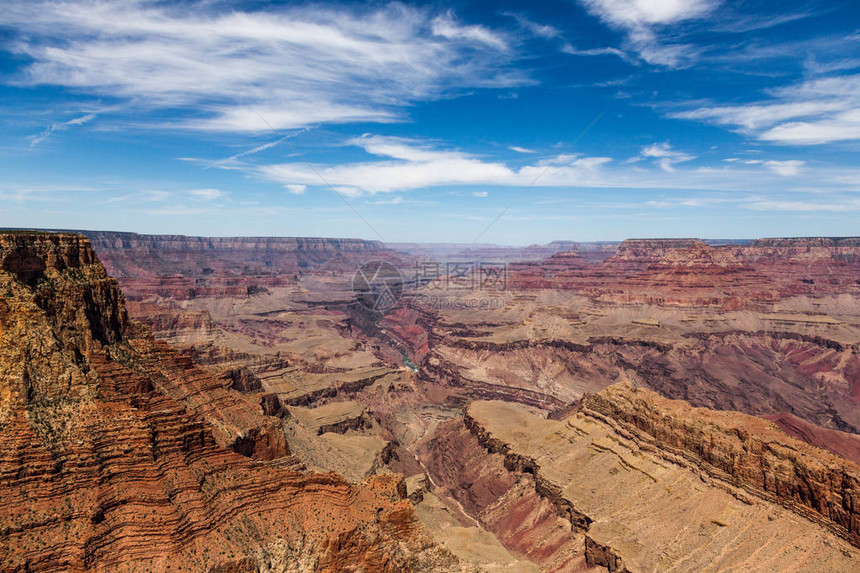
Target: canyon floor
{"points": [[228, 404]]}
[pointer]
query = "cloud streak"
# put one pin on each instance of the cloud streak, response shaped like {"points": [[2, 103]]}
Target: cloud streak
{"points": [[400, 164], [295, 66], [62, 126], [643, 21], [811, 112], [666, 157]]}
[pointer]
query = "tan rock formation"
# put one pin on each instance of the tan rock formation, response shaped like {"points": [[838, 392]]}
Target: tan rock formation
{"points": [[685, 497]]}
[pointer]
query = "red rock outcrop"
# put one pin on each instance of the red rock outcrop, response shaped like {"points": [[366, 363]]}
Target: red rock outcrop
{"points": [[842, 444], [181, 267], [505, 502], [691, 272], [650, 251], [134, 255], [656, 485], [745, 451], [753, 372], [113, 456]]}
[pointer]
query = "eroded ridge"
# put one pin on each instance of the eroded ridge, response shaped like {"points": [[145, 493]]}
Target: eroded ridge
{"points": [[119, 455], [657, 485]]}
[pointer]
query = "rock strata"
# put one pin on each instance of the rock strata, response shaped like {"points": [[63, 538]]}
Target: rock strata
{"points": [[121, 455], [684, 497]]}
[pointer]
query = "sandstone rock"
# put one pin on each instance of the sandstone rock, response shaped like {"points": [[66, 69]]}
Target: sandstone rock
{"points": [[114, 452], [685, 496]]}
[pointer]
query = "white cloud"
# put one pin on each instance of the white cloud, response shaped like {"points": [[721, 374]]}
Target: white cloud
{"points": [[643, 20], [569, 49], [666, 156], [408, 164], [400, 164], [447, 27], [812, 112], [393, 201], [480, 194], [295, 66], [785, 168], [62, 126], [207, 194], [784, 205], [839, 127], [232, 159], [640, 12], [519, 149], [539, 30], [296, 189]]}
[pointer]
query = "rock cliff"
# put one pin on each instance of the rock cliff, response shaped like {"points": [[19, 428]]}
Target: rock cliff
{"points": [[120, 455], [656, 485], [692, 273], [131, 254], [744, 451]]}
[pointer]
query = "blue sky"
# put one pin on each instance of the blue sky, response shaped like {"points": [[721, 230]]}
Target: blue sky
{"points": [[506, 122]]}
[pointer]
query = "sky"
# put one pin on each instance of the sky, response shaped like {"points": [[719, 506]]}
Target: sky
{"points": [[492, 122]]}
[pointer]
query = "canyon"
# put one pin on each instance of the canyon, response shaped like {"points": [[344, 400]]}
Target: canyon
{"points": [[120, 454], [228, 404]]}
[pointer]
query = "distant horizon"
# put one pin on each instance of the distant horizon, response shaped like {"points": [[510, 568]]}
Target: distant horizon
{"points": [[443, 243]]}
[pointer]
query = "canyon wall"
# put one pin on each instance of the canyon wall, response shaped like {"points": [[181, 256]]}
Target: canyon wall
{"points": [[692, 272], [121, 455], [706, 489]]}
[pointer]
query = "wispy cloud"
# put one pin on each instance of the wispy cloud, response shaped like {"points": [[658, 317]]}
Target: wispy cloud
{"points": [[60, 126], [258, 149], [643, 21], [393, 201], [295, 66], [296, 189], [447, 26], [785, 168], [42, 193], [666, 157], [534, 28], [811, 112], [742, 23], [827, 205], [519, 149], [207, 194], [569, 49], [406, 164]]}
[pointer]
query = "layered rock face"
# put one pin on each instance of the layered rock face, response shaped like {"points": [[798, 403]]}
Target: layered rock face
{"points": [[842, 444], [506, 502], [134, 255], [691, 272], [651, 251], [182, 268], [655, 485], [120, 455], [768, 328], [745, 451], [214, 296]]}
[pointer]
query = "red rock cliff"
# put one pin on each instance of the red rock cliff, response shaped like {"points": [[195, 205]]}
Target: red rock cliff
{"points": [[748, 452], [113, 457]]}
